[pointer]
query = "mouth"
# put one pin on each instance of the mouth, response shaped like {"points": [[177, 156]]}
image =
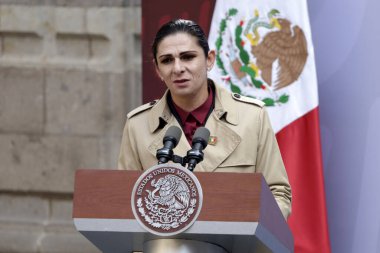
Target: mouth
{"points": [[180, 81]]}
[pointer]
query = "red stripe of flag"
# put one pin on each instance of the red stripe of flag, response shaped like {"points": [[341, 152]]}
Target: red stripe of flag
{"points": [[301, 151]]}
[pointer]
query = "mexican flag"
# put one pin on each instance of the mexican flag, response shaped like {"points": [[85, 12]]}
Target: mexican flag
{"points": [[264, 50]]}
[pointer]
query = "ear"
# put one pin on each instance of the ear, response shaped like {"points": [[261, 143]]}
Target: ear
{"points": [[211, 59]]}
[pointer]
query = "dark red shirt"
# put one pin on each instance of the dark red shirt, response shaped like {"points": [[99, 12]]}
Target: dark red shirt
{"points": [[190, 121]]}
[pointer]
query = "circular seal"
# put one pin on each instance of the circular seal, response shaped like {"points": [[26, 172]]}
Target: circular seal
{"points": [[166, 199]]}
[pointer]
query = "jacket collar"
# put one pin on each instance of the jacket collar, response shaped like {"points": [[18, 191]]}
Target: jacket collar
{"points": [[224, 106], [160, 113]]}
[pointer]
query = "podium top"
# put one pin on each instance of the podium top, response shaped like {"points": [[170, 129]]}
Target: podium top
{"points": [[233, 204], [228, 196]]}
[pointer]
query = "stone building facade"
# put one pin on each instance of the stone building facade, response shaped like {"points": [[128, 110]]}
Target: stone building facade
{"points": [[70, 70]]}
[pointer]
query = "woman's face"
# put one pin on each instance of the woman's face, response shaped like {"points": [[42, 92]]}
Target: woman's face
{"points": [[182, 65]]}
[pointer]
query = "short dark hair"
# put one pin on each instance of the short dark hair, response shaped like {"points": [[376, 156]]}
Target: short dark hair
{"points": [[177, 26]]}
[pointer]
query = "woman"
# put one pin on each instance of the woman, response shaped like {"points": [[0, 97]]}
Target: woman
{"points": [[242, 139]]}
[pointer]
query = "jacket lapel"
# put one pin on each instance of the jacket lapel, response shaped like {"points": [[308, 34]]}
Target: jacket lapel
{"points": [[157, 142], [226, 142]]}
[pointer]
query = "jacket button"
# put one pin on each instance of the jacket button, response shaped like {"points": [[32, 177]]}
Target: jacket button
{"points": [[237, 95]]}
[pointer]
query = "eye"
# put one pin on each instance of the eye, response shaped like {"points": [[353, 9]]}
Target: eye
{"points": [[166, 60], [188, 57]]}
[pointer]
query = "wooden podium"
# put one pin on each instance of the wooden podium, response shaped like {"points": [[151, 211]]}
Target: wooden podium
{"points": [[239, 213]]}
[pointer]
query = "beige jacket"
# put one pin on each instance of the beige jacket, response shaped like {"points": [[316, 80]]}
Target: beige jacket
{"points": [[245, 141]]}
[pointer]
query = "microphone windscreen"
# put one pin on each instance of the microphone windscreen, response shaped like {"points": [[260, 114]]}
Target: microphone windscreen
{"points": [[202, 134], [173, 132]]}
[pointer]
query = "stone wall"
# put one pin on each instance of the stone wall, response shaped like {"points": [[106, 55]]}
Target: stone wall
{"points": [[69, 72]]}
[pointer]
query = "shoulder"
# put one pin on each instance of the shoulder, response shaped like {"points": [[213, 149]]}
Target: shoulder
{"points": [[141, 109], [247, 100]]}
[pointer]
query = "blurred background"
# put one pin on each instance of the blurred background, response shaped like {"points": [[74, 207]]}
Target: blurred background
{"points": [[70, 70]]}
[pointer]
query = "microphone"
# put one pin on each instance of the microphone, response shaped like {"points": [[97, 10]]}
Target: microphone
{"points": [[199, 142], [171, 138]]}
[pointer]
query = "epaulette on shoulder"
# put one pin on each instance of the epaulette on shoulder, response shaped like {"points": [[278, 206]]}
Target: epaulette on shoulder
{"points": [[141, 108], [248, 100]]}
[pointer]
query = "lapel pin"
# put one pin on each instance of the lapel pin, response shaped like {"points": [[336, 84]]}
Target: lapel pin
{"points": [[212, 140]]}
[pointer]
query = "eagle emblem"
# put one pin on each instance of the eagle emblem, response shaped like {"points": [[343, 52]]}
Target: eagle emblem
{"points": [[166, 199], [260, 56], [173, 193]]}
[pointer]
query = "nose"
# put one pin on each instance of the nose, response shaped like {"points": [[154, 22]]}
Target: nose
{"points": [[178, 67]]}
